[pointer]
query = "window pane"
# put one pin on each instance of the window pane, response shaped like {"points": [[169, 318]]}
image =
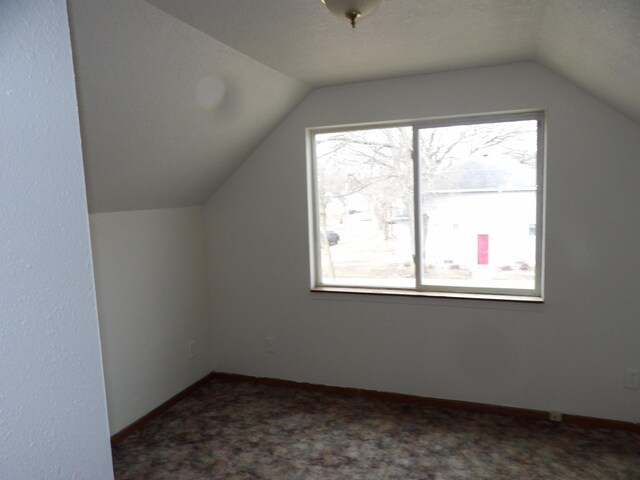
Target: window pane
{"points": [[365, 207], [479, 201]]}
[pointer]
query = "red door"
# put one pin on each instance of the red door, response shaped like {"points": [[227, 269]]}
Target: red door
{"points": [[483, 249]]}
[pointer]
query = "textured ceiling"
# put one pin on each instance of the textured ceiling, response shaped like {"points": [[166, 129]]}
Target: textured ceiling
{"points": [[301, 39], [595, 43], [150, 143]]}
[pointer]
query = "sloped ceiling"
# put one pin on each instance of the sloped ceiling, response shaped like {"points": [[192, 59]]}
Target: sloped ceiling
{"points": [[167, 112], [595, 44], [150, 143], [303, 40]]}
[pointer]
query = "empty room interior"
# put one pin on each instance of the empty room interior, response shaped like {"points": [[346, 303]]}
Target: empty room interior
{"points": [[425, 206]]}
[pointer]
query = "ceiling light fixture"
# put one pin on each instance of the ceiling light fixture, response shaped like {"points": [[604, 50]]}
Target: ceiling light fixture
{"points": [[352, 9]]}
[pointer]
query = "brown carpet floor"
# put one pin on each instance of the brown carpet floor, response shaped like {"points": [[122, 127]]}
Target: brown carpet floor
{"points": [[233, 430]]}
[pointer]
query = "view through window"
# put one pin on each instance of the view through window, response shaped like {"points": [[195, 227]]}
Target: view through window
{"points": [[461, 215]]}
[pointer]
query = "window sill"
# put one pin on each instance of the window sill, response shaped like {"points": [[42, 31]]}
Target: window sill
{"points": [[418, 294]]}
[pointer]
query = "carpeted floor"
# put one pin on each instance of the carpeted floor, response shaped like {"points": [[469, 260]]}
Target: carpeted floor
{"points": [[232, 430]]}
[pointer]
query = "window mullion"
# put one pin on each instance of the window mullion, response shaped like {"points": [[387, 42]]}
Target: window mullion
{"points": [[417, 209]]}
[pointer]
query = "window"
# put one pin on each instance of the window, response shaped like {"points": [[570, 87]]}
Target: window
{"points": [[449, 207]]}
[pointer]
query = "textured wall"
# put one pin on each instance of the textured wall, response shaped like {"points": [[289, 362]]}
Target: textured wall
{"points": [[151, 282], [53, 422], [567, 354]]}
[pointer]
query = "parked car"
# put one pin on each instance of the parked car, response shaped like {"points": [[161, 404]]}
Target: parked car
{"points": [[332, 237]]}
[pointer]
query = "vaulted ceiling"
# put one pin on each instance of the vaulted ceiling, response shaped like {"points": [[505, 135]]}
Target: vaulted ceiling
{"points": [[175, 94]]}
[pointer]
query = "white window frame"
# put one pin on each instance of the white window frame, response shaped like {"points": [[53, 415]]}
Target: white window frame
{"points": [[422, 289]]}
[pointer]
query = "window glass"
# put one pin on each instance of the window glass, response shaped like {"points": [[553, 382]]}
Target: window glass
{"points": [[365, 207], [478, 203]]}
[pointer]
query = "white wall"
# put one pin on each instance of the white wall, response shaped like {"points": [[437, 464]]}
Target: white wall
{"points": [[53, 420], [567, 354], [151, 282]]}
